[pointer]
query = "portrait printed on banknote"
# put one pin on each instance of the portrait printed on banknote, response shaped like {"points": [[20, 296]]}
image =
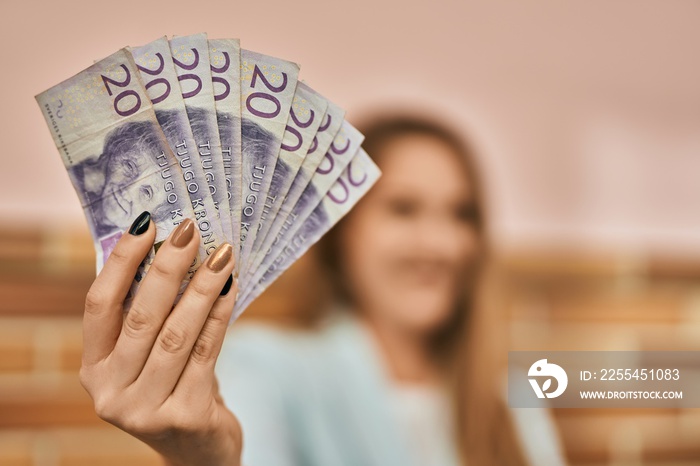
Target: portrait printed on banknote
{"points": [[118, 183]]}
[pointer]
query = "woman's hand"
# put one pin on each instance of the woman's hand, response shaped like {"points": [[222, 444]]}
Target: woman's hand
{"points": [[150, 372]]}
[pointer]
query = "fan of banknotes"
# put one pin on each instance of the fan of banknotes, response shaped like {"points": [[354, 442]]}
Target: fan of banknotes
{"points": [[202, 129]]}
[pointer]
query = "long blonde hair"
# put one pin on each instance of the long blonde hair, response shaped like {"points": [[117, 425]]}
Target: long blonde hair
{"points": [[467, 345]]}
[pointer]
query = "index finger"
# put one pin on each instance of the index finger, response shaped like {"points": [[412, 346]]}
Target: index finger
{"points": [[104, 302]]}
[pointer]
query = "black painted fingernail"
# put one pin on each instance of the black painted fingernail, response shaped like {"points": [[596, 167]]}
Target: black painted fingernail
{"points": [[140, 225], [227, 286]]}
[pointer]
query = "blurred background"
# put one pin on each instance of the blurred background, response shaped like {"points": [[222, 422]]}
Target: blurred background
{"points": [[586, 118]]}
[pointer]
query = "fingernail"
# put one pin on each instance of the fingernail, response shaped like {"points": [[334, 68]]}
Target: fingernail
{"points": [[227, 286], [220, 258], [140, 225], [182, 235]]}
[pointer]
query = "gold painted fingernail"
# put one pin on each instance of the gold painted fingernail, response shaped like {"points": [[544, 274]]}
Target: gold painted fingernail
{"points": [[220, 258], [182, 235]]}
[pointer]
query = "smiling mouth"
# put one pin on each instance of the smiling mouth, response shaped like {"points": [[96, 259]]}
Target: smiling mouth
{"points": [[425, 273]]}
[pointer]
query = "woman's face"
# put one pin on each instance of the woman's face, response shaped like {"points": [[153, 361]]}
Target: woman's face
{"points": [[407, 245]]}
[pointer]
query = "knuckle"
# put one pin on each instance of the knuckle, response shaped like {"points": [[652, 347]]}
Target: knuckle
{"points": [[172, 339], [94, 300], [137, 424], [119, 255], [102, 412], [104, 408], [85, 378], [138, 420], [137, 321], [142, 423], [199, 290], [203, 350], [217, 319], [163, 270]]}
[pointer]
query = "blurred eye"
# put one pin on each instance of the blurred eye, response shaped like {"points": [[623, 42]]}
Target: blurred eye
{"points": [[146, 193], [466, 213], [402, 207]]}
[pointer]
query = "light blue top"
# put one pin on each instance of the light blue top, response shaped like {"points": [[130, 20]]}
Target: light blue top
{"points": [[317, 398]]}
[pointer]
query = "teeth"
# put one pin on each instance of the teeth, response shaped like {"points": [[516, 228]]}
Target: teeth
{"points": [[227, 137]]}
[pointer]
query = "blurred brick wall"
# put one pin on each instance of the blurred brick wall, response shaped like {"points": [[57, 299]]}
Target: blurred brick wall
{"points": [[557, 301], [571, 302]]}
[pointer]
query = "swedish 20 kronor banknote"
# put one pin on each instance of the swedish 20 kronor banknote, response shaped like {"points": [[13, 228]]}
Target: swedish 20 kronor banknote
{"points": [[192, 127]]}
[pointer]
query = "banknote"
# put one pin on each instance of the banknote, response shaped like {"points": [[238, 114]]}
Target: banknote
{"points": [[267, 91], [192, 65], [202, 129], [332, 121], [157, 72], [356, 179], [225, 58], [343, 148], [305, 118], [116, 155]]}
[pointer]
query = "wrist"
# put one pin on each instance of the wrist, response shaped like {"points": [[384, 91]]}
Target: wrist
{"points": [[222, 458], [213, 449]]}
